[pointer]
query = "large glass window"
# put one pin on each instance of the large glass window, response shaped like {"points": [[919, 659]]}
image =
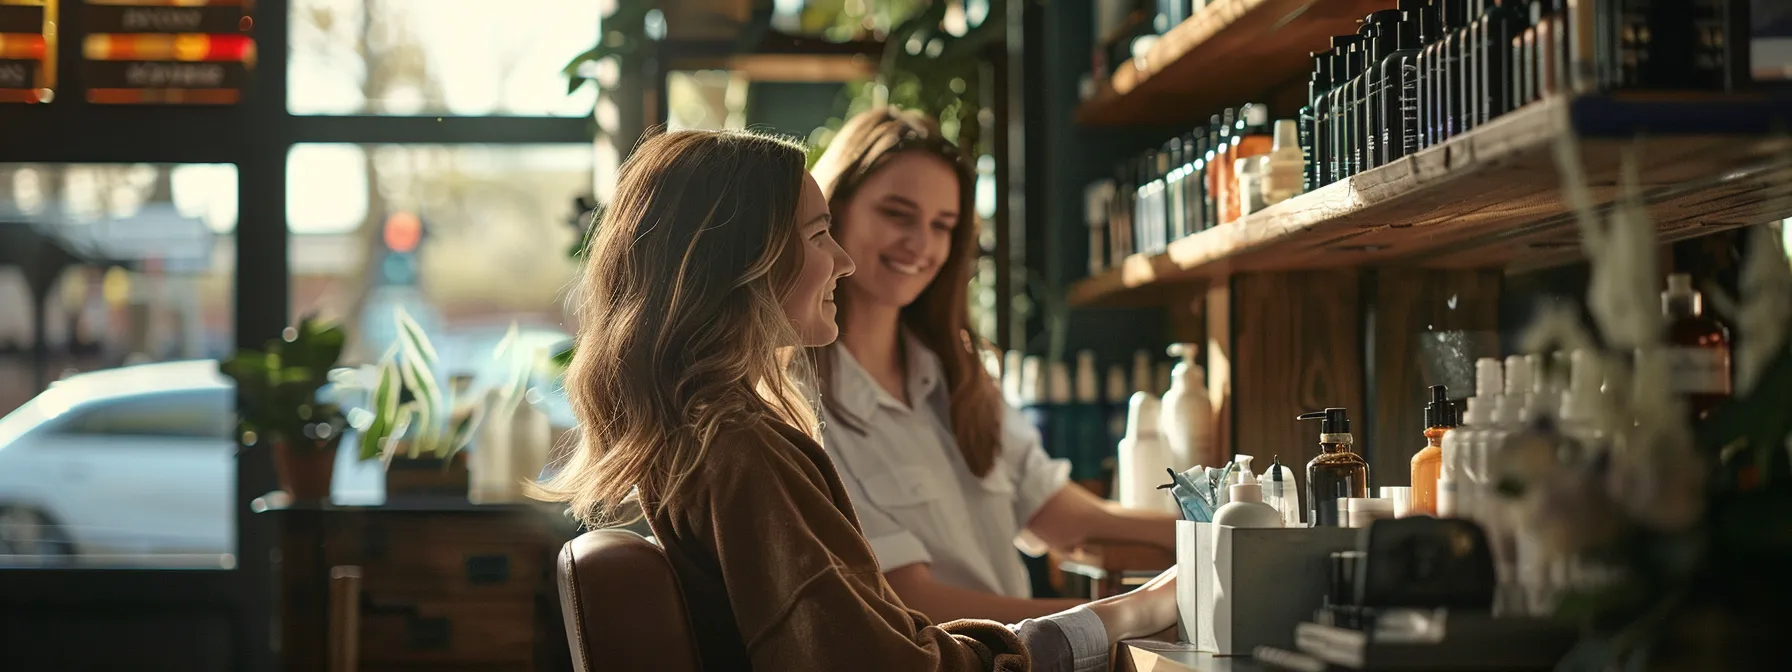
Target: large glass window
{"points": [[115, 305], [439, 57], [467, 239]]}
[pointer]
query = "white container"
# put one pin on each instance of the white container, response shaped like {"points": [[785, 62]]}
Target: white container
{"points": [[1247, 508], [1284, 169], [1401, 496], [532, 438], [1187, 422], [1250, 184], [1239, 588], [1364, 511], [1143, 458]]}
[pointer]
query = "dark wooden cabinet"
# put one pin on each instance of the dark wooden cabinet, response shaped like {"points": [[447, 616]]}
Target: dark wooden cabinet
{"points": [[449, 586]]}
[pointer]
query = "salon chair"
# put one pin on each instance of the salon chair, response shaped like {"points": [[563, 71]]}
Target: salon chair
{"points": [[622, 606]]}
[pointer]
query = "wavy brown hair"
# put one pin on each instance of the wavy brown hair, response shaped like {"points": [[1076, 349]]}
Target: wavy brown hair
{"points": [[940, 316], [682, 331]]}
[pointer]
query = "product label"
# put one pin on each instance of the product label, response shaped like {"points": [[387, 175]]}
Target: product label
{"points": [[1404, 133], [1698, 370]]}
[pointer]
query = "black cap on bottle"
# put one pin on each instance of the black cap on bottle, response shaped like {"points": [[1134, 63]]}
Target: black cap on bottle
{"points": [[1384, 29], [1441, 412], [1336, 420], [1340, 56]]}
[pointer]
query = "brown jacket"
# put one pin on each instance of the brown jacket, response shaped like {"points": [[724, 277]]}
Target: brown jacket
{"points": [[777, 575]]}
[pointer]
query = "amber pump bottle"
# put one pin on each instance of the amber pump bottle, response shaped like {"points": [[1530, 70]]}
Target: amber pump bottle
{"points": [[1428, 463], [1337, 473], [1698, 348]]}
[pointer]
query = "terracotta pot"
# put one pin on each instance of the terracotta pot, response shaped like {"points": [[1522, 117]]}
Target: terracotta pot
{"points": [[306, 471]]}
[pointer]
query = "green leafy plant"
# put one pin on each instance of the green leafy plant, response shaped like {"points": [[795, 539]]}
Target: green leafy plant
{"points": [[403, 407], [279, 385]]}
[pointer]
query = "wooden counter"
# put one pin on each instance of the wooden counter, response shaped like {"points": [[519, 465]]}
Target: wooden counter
{"points": [[1146, 655]]}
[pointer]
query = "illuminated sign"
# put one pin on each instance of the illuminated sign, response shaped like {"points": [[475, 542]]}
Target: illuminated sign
{"points": [[27, 51], [168, 51]]}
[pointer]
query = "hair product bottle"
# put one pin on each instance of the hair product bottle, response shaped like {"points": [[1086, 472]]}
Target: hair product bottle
{"points": [[1427, 464], [1337, 473], [1698, 348]]}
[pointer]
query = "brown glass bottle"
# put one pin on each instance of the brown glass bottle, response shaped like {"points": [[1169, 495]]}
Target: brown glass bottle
{"points": [[1337, 473], [1698, 348]]}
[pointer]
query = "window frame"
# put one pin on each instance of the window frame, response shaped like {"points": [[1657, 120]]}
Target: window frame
{"points": [[254, 135]]}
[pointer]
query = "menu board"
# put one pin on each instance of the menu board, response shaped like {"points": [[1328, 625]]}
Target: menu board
{"points": [[27, 51], [168, 51]]}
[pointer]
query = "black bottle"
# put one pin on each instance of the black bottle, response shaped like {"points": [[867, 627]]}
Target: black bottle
{"points": [[1450, 69], [1359, 105], [1210, 204], [1346, 65], [1428, 59], [1175, 211], [1399, 96], [1383, 28], [1325, 152], [1318, 84], [1194, 172], [1491, 36]]}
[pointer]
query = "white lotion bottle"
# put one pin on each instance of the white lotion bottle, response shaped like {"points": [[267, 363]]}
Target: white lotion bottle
{"points": [[1187, 421], [1247, 508], [1454, 499], [1144, 458]]}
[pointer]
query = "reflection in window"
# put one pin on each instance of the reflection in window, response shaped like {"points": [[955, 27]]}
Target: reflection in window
{"points": [[116, 282], [439, 57], [466, 238], [709, 100]]}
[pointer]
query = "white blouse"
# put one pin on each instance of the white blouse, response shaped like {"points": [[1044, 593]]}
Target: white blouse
{"points": [[915, 497]]}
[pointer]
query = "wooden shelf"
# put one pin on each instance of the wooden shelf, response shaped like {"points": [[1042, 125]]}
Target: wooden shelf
{"points": [[1493, 198], [1225, 54]]}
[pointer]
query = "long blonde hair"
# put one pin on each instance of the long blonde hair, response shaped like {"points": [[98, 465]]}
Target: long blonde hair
{"points": [[940, 316], [681, 319]]}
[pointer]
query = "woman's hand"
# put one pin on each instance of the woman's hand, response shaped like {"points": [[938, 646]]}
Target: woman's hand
{"points": [[1147, 610]]}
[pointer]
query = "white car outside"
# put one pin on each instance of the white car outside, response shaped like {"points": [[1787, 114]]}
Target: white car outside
{"points": [[136, 465]]}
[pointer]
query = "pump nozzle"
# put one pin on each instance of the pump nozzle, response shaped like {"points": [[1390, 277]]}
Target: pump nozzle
{"points": [[1335, 420], [1440, 412]]}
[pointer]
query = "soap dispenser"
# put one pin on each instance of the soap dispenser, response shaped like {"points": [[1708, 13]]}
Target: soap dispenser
{"points": [[1427, 464], [1143, 458], [1187, 421], [1337, 473], [1247, 508]]}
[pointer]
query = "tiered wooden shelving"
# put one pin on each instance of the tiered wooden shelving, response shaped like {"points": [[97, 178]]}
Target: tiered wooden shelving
{"points": [[1227, 52], [1493, 197]]}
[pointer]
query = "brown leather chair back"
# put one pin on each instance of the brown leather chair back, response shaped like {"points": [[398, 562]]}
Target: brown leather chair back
{"points": [[622, 605]]}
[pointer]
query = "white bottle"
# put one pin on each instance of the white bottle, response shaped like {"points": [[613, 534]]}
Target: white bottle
{"points": [[1247, 508], [1508, 419], [1249, 171], [1011, 368], [1455, 499], [489, 463], [1144, 458], [1284, 169], [531, 439], [1280, 492], [1187, 421]]}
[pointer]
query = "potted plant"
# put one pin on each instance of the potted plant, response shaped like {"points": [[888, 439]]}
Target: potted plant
{"points": [[278, 388], [408, 419]]}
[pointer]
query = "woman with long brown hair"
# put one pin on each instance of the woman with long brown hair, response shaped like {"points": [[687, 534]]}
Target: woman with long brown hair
{"points": [[713, 265], [947, 478]]}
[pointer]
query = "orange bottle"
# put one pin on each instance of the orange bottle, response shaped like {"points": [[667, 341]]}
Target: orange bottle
{"points": [[1219, 171], [1427, 465]]}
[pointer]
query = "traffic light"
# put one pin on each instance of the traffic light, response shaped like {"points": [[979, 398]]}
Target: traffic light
{"points": [[402, 235]]}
